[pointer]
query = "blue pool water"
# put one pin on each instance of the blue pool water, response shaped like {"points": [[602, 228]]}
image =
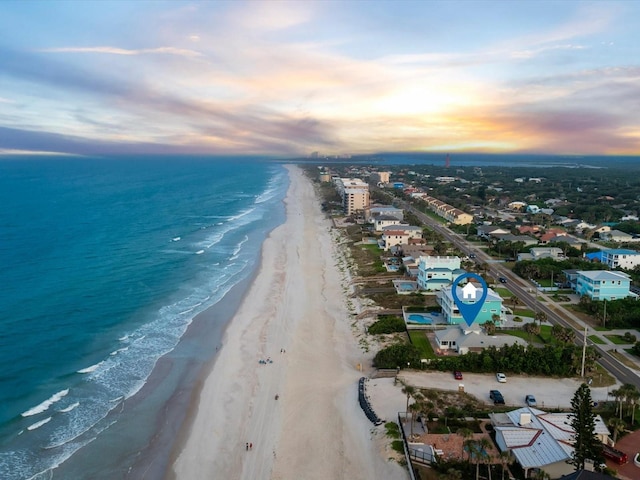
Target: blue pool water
{"points": [[422, 318]]}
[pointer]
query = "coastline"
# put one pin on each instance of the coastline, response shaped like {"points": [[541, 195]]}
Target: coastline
{"points": [[294, 318]]}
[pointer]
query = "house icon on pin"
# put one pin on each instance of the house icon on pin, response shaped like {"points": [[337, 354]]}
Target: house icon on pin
{"points": [[469, 292]]}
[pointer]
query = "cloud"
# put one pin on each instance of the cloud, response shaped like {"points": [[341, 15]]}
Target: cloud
{"points": [[122, 51]]}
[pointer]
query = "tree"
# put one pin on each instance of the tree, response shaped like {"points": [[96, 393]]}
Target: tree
{"points": [[466, 434], [541, 317], [409, 391], [617, 426], [505, 459], [583, 421], [490, 326]]}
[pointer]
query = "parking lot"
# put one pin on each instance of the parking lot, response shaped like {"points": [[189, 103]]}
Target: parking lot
{"points": [[549, 392]]}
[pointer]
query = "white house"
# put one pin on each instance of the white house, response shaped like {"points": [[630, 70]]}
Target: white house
{"points": [[382, 221], [538, 253], [621, 258], [400, 234]]}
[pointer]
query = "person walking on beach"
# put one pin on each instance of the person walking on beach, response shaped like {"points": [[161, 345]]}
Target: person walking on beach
{"points": [[247, 446], [251, 446]]}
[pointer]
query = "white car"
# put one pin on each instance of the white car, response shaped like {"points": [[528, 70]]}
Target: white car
{"points": [[501, 377]]}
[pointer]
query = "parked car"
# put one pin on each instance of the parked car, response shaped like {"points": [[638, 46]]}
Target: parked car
{"points": [[530, 400], [614, 454], [457, 375], [496, 396], [501, 377]]}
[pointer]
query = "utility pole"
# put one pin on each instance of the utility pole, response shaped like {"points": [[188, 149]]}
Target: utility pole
{"points": [[584, 351], [604, 315]]}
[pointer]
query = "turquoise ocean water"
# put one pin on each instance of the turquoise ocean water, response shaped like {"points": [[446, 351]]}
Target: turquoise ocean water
{"points": [[104, 265]]}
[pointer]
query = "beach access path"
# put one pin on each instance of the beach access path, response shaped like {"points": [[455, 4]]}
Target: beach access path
{"points": [[291, 337]]}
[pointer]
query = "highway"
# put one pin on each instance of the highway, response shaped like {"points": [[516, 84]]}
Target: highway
{"points": [[556, 314]]}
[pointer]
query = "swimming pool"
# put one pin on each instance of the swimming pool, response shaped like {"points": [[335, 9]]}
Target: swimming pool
{"points": [[422, 318]]}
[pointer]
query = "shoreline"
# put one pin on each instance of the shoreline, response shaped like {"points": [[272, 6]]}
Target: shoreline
{"points": [[293, 317]]}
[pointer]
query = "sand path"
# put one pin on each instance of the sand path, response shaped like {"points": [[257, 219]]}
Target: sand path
{"points": [[315, 430]]}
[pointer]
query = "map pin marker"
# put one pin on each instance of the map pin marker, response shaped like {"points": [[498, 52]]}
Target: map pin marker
{"points": [[469, 311]]}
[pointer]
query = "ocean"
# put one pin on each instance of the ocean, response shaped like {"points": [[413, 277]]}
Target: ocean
{"points": [[105, 265]]}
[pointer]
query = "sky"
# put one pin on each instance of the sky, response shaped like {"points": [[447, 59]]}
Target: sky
{"points": [[334, 77]]}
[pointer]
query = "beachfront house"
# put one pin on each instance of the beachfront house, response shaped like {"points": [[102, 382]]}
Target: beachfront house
{"points": [[402, 234], [492, 306], [464, 339], [383, 221], [602, 284], [374, 211], [435, 272], [540, 440]]}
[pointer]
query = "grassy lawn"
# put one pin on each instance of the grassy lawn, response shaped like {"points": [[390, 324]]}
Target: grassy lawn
{"points": [[543, 337], [596, 339], [617, 339], [419, 340], [503, 292], [524, 312]]}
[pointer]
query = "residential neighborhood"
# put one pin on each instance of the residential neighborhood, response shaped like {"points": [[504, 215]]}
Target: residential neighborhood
{"points": [[549, 279]]}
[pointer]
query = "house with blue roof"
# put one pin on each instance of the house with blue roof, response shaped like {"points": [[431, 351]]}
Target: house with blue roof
{"points": [[540, 440], [492, 306], [603, 284], [595, 256]]}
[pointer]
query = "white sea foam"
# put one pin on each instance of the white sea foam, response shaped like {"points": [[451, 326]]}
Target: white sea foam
{"points": [[91, 369], [69, 408], [46, 404], [38, 424], [175, 239], [123, 349]]}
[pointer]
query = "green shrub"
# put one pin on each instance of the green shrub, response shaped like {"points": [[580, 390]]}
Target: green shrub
{"points": [[397, 356], [387, 324]]}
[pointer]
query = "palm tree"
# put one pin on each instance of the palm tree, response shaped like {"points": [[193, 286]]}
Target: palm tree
{"points": [[466, 434], [541, 317], [409, 391], [505, 459], [617, 426], [490, 326], [485, 445], [618, 394]]}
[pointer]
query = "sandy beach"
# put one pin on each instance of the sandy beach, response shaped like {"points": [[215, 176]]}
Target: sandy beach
{"points": [[292, 338]]}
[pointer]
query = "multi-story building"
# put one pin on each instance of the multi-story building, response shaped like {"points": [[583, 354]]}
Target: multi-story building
{"points": [[401, 234], [354, 193], [602, 284], [621, 258], [492, 306], [435, 273]]}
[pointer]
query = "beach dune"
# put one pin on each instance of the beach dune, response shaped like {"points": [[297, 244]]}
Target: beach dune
{"points": [[291, 338]]}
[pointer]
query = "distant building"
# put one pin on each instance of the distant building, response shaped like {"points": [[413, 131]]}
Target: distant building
{"points": [[539, 253], [434, 273], [617, 236], [380, 177], [374, 211], [354, 193], [401, 234]]}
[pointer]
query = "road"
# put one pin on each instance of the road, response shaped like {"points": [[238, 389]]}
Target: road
{"points": [[519, 287]]}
